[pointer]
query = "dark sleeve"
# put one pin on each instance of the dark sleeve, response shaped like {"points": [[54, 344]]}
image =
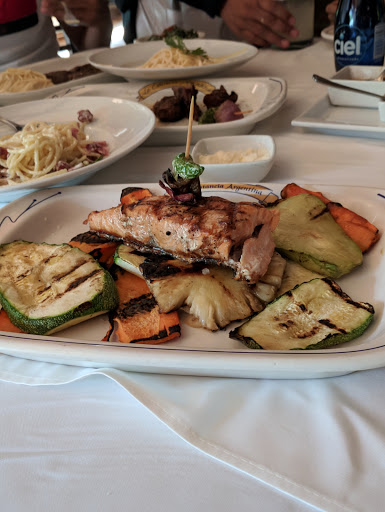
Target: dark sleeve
{"points": [[211, 7], [128, 9], [321, 20]]}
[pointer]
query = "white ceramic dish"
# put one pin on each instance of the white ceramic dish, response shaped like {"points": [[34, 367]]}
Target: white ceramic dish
{"points": [[249, 172], [123, 124], [57, 215], [328, 33], [258, 97], [125, 61], [359, 77], [326, 118], [56, 64]]}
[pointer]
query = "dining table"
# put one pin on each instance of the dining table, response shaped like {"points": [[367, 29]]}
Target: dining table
{"points": [[78, 437]]}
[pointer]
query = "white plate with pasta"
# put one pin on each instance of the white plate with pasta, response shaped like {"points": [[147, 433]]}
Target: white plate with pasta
{"points": [[156, 60], [30, 83], [66, 140], [258, 98]]}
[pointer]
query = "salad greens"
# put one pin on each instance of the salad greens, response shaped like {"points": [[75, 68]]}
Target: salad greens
{"points": [[177, 42], [174, 30]]}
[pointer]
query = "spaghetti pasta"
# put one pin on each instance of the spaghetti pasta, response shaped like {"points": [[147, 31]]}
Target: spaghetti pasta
{"points": [[175, 58], [22, 80], [41, 149]]}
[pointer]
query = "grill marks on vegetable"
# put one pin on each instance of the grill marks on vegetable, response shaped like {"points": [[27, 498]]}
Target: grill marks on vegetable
{"points": [[307, 233], [73, 282], [325, 321], [331, 325], [208, 293], [45, 288], [315, 213], [138, 318], [143, 304], [316, 314]]}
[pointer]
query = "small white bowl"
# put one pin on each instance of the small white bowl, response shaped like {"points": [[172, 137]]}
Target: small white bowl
{"points": [[359, 77], [236, 172]]}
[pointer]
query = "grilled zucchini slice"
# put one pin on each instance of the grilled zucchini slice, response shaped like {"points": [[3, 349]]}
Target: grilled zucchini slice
{"points": [[314, 315], [45, 288], [308, 234]]}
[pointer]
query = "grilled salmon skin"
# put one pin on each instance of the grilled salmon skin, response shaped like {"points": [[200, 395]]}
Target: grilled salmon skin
{"points": [[215, 231]]}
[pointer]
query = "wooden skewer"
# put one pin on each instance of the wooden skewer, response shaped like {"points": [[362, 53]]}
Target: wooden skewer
{"points": [[190, 120], [242, 112]]}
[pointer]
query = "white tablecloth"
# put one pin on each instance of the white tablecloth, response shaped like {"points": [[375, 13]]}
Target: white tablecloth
{"points": [[83, 439]]}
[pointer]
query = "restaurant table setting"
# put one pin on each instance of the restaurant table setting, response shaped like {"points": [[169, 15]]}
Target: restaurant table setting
{"points": [[190, 427]]}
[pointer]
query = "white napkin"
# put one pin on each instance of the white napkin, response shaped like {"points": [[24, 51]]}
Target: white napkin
{"points": [[321, 441]]}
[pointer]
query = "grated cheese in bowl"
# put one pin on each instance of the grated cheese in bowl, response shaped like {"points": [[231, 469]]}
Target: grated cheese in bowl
{"points": [[238, 156]]}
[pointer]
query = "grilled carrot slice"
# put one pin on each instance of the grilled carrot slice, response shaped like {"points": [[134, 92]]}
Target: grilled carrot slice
{"points": [[356, 227], [6, 324], [359, 229], [138, 318], [292, 189], [131, 195], [99, 248]]}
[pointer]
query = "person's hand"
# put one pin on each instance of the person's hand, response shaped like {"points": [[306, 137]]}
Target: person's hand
{"points": [[93, 15], [331, 11], [260, 22], [88, 12]]}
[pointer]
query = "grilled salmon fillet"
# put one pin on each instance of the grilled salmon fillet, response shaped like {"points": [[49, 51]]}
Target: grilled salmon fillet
{"points": [[215, 231]]}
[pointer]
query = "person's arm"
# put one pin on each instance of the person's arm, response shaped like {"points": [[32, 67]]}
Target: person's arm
{"points": [[94, 16], [211, 7], [255, 21], [331, 11]]}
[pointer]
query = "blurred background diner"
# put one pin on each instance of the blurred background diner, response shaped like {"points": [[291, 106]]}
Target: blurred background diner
{"points": [[32, 30]]}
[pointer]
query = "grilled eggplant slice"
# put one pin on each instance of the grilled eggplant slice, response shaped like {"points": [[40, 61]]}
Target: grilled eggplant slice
{"points": [[45, 288], [308, 234], [314, 315], [209, 293]]}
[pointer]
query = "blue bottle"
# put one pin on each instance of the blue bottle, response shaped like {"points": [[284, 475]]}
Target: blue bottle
{"points": [[359, 34]]}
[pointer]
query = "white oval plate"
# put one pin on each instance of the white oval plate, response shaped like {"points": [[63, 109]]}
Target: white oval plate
{"points": [[122, 123], [258, 97], [56, 215], [125, 60], [55, 64]]}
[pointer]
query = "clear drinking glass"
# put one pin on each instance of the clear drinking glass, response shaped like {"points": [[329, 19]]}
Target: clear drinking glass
{"points": [[303, 12]]}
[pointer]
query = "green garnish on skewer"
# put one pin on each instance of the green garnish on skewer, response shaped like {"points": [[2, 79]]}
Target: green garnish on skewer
{"points": [[182, 181], [177, 42], [208, 117], [186, 167]]}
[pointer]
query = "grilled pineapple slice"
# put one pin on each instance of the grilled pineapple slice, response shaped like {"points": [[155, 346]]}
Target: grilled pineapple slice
{"points": [[314, 315], [308, 234], [45, 288], [294, 275], [267, 286], [208, 293]]}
